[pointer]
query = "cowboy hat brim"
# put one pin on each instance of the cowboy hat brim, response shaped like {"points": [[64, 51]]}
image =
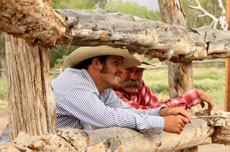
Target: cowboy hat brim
{"points": [[147, 66], [84, 53]]}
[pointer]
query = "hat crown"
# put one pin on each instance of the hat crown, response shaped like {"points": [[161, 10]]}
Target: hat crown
{"points": [[139, 57]]}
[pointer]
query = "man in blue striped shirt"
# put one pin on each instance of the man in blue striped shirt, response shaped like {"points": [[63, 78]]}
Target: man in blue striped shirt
{"points": [[85, 100]]}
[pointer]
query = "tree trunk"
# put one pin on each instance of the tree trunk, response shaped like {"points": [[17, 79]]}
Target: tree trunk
{"points": [[179, 74], [2, 56], [31, 101]]}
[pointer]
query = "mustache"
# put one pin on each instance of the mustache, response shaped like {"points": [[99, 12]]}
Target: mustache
{"points": [[132, 83]]}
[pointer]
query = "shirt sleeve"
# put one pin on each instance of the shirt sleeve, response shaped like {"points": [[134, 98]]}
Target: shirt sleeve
{"points": [[114, 99], [187, 100], [148, 99], [85, 105]]}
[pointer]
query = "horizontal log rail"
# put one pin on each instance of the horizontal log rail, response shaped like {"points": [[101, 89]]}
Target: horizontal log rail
{"points": [[200, 132], [114, 139], [97, 27], [157, 39]]}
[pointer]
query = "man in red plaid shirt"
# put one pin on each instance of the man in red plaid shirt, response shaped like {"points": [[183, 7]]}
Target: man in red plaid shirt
{"points": [[134, 92]]}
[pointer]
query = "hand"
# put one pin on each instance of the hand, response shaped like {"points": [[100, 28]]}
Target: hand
{"points": [[175, 111], [175, 123], [205, 97]]}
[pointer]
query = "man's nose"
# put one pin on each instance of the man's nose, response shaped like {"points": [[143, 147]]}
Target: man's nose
{"points": [[133, 76], [121, 68]]}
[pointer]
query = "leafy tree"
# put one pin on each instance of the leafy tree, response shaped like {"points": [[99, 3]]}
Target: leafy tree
{"points": [[78, 4], [132, 8], [2, 45], [56, 54]]}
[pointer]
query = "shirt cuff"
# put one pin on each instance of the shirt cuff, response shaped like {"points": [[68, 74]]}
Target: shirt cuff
{"points": [[156, 112], [156, 124]]}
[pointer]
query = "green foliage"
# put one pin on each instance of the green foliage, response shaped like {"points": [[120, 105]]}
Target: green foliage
{"points": [[2, 45], [3, 88], [132, 8], [58, 54], [78, 4]]}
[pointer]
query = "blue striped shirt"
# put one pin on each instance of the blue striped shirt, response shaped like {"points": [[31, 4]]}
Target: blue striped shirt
{"points": [[80, 105]]}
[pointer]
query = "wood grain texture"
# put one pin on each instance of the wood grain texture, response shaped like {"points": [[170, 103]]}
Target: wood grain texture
{"points": [[31, 101], [33, 20], [157, 39]]}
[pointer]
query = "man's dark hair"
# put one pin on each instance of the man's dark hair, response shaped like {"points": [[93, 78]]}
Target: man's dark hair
{"points": [[85, 64]]}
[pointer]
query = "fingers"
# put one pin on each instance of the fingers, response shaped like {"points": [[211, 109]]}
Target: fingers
{"points": [[205, 97], [184, 120], [210, 108], [202, 104], [185, 115], [175, 123]]}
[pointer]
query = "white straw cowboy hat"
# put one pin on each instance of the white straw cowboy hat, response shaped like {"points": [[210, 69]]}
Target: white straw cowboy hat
{"points": [[84, 53], [143, 65]]}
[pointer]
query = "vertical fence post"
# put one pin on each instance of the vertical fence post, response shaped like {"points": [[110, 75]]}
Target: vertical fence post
{"points": [[227, 65]]}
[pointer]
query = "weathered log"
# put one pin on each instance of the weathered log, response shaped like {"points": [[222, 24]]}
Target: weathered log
{"points": [[221, 135], [30, 97], [33, 20], [221, 124], [160, 40], [116, 139]]}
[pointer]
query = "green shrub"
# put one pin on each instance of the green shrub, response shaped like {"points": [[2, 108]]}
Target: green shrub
{"points": [[3, 88]]}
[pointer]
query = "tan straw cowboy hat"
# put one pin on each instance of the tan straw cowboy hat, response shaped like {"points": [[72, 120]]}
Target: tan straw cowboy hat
{"points": [[84, 53], [143, 65]]}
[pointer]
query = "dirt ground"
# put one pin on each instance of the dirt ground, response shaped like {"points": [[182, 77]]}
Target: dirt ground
{"points": [[204, 148]]}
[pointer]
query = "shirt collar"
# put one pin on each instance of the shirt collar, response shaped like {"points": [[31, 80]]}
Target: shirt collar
{"points": [[89, 78]]}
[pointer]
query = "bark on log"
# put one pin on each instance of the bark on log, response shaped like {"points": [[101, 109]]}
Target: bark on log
{"points": [[33, 20], [221, 135], [30, 97], [115, 139], [157, 39]]}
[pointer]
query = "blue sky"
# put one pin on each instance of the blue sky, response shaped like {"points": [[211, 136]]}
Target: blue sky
{"points": [[149, 4]]}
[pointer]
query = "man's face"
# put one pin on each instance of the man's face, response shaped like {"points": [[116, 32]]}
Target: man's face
{"points": [[112, 70], [131, 79]]}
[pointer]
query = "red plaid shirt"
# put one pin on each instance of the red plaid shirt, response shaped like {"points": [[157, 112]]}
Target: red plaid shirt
{"points": [[145, 99]]}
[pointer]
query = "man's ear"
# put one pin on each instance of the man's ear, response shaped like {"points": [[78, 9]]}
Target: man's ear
{"points": [[96, 64]]}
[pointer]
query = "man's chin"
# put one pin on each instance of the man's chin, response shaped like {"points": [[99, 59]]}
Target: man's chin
{"points": [[130, 89]]}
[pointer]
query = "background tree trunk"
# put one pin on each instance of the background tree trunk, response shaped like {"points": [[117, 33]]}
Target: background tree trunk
{"points": [[2, 55], [31, 102], [180, 74]]}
